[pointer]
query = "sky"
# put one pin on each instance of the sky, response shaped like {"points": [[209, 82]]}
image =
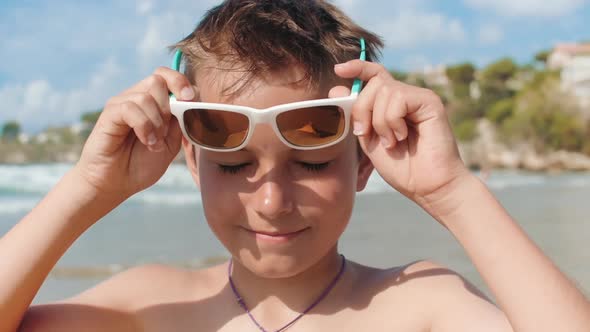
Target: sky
{"points": [[59, 59]]}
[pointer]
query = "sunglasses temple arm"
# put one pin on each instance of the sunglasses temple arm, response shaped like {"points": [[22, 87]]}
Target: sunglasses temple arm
{"points": [[176, 66], [358, 84]]}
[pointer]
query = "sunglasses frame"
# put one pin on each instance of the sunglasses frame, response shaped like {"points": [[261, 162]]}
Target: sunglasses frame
{"points": [[256, 116]]}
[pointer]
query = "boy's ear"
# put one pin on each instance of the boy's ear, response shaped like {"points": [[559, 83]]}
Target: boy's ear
{"points": [[365, 169], [191, 154]]}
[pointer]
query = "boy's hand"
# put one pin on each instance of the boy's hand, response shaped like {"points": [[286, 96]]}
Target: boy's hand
{"points": [[405, 132], [136, 137]]}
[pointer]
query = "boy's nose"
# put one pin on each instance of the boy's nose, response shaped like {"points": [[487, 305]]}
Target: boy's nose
{"points": [[273, 199]]}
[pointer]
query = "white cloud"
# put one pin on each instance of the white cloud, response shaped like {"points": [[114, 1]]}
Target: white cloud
{"points": [[38, 103], [531, 8], [161, 31], [415, 62], [153, 43], [490, 34], [347, 6], [144, 6], [410, 29]]}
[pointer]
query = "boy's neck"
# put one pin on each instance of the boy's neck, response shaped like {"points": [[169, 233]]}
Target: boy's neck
{"points": [[276, 297]]}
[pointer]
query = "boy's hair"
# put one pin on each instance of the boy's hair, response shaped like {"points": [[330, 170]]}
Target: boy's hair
{"points": [[259, 37]]}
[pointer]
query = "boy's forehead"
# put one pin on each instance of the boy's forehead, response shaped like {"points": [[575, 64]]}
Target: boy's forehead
{"points": [[217, 85]]}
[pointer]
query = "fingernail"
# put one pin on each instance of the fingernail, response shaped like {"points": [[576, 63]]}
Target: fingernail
{"points": [[187, 93], [152, 139], [357, 128], [385, 142], [398, 135]]}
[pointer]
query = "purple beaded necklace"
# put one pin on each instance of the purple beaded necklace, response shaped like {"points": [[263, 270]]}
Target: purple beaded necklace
{"points": [[318, 300]]}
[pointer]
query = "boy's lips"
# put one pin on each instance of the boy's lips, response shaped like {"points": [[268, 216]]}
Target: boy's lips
{"points": [[274, 236]]}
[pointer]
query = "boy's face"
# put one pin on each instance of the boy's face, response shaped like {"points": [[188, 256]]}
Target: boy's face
{"points": [[276, 191]]}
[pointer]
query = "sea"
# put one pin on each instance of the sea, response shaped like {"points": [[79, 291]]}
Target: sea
{"points": [[165, 224]]}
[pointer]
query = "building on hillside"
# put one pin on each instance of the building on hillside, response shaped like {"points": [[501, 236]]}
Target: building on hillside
{"points": [[80, 127], [573, 60], [436, 75], [24, 138]]}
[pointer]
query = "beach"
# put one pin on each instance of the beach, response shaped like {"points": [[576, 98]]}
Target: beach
{"points": [[165, 224]]}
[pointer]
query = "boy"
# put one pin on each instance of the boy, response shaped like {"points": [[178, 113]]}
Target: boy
{"points": [[279, 194]]}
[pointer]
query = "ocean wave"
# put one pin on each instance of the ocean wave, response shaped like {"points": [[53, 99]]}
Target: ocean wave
{"points": [[168, 198], [499, 181], [376, 185], [21, 187], [505, 181], [177, 176], [578, 182], [17, 206], [40, 178], [105, 271], [30, 179]]}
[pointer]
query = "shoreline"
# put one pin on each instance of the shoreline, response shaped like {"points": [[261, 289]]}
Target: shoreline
{"points": [[499, 159], [484, 153]]}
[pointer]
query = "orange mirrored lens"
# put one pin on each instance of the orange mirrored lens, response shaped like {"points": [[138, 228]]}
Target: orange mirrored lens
{"points": [[216, 129], [307, 127]]}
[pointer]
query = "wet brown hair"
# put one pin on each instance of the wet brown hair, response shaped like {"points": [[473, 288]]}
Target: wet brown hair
{"points": [[260, 37]]}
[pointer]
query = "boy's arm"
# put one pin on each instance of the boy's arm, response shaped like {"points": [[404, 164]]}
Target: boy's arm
{"points": [[533, 293], [135, 129], [405, 132], [31, 248]]}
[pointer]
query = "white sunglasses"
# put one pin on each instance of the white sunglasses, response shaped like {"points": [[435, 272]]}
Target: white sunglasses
{"points": [[304, 125]]}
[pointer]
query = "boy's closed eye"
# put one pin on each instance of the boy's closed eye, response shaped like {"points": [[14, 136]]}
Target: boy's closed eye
{"points": [[307, 166]]}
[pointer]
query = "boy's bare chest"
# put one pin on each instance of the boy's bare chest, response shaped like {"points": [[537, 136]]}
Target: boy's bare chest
{"points": [[230, 317], [386, 308]]}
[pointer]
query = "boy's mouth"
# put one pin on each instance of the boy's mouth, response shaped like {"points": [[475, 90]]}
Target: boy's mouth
{"points": [[276, 237]]}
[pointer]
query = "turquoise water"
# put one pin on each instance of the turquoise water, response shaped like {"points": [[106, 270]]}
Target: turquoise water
{"points": [[165, 224]]}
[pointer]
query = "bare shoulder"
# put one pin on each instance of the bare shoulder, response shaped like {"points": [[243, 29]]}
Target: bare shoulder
{"points": [[114, 304], [442, 297]]}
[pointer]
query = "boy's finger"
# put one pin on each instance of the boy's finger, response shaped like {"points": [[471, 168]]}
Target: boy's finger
{"points": [[149, 106], [157, 109], [174, 82], [380, 124], [364, 70], [121, 118], [160, 94], [395, 116], [177, 83]]}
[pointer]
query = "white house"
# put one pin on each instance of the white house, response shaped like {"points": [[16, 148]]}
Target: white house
{"points": [[77, 128], [574, 62], [436, 75], [24, 138]]}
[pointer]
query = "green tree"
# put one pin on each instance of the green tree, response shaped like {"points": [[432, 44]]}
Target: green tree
{"points": [[546, 116], [501, 110], [463, 73], [11, 130], [90, 117], [542, 56], [493, 83], [463, 115], [499, 71], [399, 75], [461, 76], [89, 120]]}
